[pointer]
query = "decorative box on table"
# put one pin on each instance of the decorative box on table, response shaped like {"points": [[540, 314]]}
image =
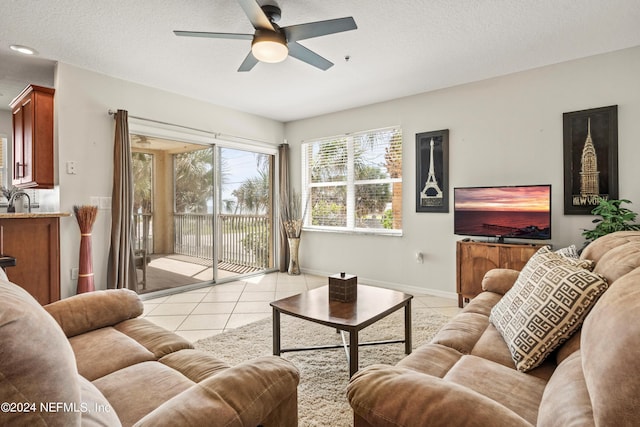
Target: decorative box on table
{"points": [[343, 287]]}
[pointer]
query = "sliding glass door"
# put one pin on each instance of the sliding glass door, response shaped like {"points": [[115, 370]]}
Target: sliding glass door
{"points": [[203, 213], [245, 218]]}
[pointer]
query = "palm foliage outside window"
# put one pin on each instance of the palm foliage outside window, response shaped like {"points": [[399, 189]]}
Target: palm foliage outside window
{"points": [[354, 182], [142, 166], [193, 181]]}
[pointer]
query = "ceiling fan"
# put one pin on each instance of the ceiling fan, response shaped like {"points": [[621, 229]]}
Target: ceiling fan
{"points": [[271, 43]]}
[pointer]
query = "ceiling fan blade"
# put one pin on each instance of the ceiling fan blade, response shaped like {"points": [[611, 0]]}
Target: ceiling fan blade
{"points": [[319, 28], [303, 54], [249, 62], [205, 34], [256, 15]]}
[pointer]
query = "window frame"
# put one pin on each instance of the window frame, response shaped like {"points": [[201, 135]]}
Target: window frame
{"points": [[350, 182]]}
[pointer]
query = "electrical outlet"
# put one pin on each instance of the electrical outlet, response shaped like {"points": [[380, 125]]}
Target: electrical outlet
{"points": [[72, 167], [74, 273]]}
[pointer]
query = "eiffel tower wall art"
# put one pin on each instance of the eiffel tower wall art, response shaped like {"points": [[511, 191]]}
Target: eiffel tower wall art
{"points": [[432, 171], [590, 158]]}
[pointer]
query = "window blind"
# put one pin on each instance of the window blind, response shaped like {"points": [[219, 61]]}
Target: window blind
{"points": [[354, 182]]}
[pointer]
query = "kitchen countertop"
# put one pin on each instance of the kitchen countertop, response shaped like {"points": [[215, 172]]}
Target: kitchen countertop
{"points": [[22, 215]]}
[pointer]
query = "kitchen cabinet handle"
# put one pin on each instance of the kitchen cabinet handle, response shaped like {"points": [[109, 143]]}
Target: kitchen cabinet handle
{"points": [[22, 166]]}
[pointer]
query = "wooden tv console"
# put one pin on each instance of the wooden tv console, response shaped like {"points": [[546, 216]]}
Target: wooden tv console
{"points": [[474, 259]]}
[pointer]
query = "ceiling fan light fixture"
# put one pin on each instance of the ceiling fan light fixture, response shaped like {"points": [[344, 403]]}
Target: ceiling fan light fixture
{"points": [[269, 46]]}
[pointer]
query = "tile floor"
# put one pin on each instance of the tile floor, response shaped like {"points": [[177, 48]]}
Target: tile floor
{"points": [[208, 311]]}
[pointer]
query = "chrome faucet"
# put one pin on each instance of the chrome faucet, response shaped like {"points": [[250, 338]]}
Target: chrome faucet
{"points": [[19, 194]]}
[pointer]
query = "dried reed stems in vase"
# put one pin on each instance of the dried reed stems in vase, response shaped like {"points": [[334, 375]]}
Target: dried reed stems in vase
{"points": [[291, 215], [86, 216]]}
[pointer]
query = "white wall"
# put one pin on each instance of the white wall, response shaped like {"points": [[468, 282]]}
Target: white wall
{"points": [[6, 125], [6, 131], [85, 134], [503, 131]]}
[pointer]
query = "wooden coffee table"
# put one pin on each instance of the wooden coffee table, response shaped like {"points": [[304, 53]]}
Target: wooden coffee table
{"points": [[371, 305]]}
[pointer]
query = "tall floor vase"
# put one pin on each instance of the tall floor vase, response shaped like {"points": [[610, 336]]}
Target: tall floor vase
{"points": [[86, 216], [294, 264]]}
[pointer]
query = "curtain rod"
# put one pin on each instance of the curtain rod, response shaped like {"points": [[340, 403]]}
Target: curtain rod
{"points": [[216, 135]]}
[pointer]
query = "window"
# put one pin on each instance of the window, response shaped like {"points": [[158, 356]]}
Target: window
{"points": [[354, 182]]}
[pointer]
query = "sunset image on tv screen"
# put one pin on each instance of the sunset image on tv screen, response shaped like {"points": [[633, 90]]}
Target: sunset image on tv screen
{"points": [[519, 212]]}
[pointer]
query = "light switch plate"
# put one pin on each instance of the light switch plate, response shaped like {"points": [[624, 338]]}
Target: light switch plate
{"points": [[105, 203]]}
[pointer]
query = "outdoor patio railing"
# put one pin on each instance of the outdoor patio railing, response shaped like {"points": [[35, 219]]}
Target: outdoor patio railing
{"points": [[242, 239], [142, 236]]}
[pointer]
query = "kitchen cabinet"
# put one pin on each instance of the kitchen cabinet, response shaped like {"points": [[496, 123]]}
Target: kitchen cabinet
{"points": [[33, 138], [34, 241], [474, 259]]}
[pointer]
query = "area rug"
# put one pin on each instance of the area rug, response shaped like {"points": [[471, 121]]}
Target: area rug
{"points": [[324, 374]]}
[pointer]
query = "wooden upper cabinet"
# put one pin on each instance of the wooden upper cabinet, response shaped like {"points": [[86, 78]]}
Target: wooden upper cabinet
{"points": [[33, 138]]}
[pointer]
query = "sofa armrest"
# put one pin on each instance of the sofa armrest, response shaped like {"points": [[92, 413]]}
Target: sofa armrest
{"points": [[499, 280], [94, 310], [383, 395], [243, 395]]}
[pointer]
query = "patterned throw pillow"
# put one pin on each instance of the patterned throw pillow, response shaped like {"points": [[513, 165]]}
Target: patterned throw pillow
{"points": [[569, 252], [550, 299]]}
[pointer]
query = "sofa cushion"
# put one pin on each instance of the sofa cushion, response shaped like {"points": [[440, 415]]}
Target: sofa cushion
{"points": [[392, 396], [619, 261], [432, 359], [137, 390], [96, 410], [546, 305], [154, 338], [499, 280], [610, 350], [195, 365], [518, 392], [106, 350], [565, 401], [243, 395], [36, 363], [94, 310], [599, 247], [462, 332]]}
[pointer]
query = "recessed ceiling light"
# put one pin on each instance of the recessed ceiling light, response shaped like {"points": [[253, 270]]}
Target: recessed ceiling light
{"points": [[23, 49]]}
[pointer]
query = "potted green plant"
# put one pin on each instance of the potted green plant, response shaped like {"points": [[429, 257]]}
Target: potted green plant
{"points": [[613, 217]]}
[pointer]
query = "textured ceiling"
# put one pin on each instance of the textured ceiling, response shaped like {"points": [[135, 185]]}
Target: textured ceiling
{"points": [[400, 48]]}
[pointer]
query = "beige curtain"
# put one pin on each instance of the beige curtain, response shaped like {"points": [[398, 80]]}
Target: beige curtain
{"points": [[283, 175], [121, 271]]}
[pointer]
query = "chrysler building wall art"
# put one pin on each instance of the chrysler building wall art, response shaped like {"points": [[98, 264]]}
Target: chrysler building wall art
{"points": [[590, 158]]}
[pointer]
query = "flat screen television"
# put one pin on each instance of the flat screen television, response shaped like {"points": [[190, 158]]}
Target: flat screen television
{"points": [[519, 212]]}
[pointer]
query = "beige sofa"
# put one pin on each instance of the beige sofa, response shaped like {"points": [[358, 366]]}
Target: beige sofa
{"points": [[466, 374], [90, 360]]}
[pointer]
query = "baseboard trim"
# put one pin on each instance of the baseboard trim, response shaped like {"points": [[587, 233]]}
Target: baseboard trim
{"points": [[391, 285]]}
